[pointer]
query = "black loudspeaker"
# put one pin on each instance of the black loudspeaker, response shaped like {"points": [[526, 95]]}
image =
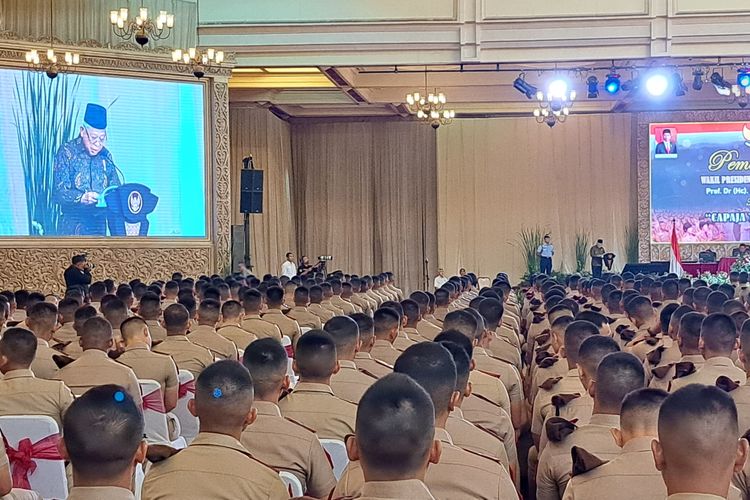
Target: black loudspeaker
{"points": [[251, 191]]}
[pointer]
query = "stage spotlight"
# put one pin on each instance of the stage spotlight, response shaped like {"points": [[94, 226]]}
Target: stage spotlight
{"points": [[524, 87], [743, 77], [612, 83], [558, 88], [719, 81], [697, 79], [657, 84], [592, 83], [678, 84]]}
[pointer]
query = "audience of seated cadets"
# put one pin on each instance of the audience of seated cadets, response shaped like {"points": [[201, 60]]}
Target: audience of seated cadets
{"points": [[327, 303], [41, 319], [395, 469], [402, 340], [358, 298], [299, 313], [186, 355], [277, 441], [274, 314], [150, 309], [350, 382], [411, 319], [459, 474], [66, 310], [313, 402], [73, 349], [21, 392], [316, 304], [230, 327], [94, 367], [718, 340], [617, 375], [252, 303], [363, 357], [492, 311], [641, 313], [204, 335], [547, 361], [631, 474], [344, 304], [116, 312], [386, 324], [669, 352], [215, 464], [146, 364], [424, 327]]}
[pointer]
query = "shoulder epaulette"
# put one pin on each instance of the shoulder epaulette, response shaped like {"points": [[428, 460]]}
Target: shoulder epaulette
{"points": [[61, 360], [583, 461], [656, 304], [683, 369], [587, 306], [548, 362], [549, 383], [625, 333], [560, 400], [596, 308], [662, 371], [654, 357], [542, 355], [726, 384], [538, 318], [610, 320], [369, 374], [543, 337], [159, 452], [558, 428], [486, 457], [486, 400], [60, 346], [583, 300], [300, 424]]}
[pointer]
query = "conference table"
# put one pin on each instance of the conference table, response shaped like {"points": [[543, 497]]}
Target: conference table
{"points": [[698, 268]]}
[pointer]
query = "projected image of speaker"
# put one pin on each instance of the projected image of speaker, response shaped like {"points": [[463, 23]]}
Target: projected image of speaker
{"points": [[251, 189]]}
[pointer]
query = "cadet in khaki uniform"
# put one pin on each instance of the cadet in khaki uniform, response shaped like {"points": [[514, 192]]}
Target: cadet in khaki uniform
{"points": [[459, 474], [641, 313], [717, 341], [363, 359], [698, 450], [358, 299], [66, 333], [94, 367], [103, 441], [492, 312], [741, 393], [287, 326], [276, 441], [186, 355], [312, 402], [299, 312], [146, 364], [150, 309], [42, 319], [635, 464], [402, 340], [205, 334], [394, 469], [337, 300], [21, 392], [349, 383], [386, 325], [688, 338], [442, 300], [327, 300], [84, 313], [423, 326], [229, 327], [617, 375], [216, 465], [549, 366], [252, 302], [412, 318], [316, 306]]}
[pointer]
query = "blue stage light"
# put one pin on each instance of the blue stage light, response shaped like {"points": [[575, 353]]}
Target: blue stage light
{"points": [[612, 83], [743, 77]]}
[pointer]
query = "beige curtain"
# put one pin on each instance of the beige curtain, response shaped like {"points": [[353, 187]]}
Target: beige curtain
{"points": [[497, 176], [257, 132], [76, 20], [364, 192]]}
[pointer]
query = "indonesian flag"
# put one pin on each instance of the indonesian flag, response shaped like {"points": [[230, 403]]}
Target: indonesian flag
{"points": [[675, 262]]}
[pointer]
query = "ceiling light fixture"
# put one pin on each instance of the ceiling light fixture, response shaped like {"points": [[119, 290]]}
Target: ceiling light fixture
{"points": [[592, 84], [46, 60], [554, 107], [521, 85], [430, 106], [142, 28]]}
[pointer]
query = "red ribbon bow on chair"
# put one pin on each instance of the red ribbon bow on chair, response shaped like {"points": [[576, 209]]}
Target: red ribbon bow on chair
{"points": [[22, 460], [153, 401], [289, 350], [185, 388]]}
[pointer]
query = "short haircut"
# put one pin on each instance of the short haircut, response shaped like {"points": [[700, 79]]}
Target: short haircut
{"points": [[670, 289], [102, 431], [698, 429], [224, 394], [365, 324], [457, 338], [176, 318], [385, 319], [252, 300], [640, 410], [665, 316], [301, 295], [19, 346], [316, 354], [690, 329], [731, 306], [594, 317], [67, 307], [96, 331], [715, 301], [639, 307], [209, 310], [492, 312], [266, 360], [115, 310], [275, 296], [462, 362], [617, 375], [131, 327], [462, 321], [345, 333], [719, 333], [593, 350], [411, 310], [575, 333], [316, 294], [42, 315], [700, 294], [431, 366], [231, 309], [395, 405]]}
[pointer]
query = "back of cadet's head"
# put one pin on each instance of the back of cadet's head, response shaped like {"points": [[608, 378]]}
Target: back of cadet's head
{"points": [[209, 311], [715, 301], [18, 346], [718, 334], [385, 320], [96, 333], [639, 413], [132, 328], [223, 395], [42, 317], [492, 312], [345, 333], [266, 360], [593, 350], [639, 307], [116, 311], [462, 362], [665, 316], [231, 309], [395, 405], [617, 375], [457, 338], [463, 321], [103, 433], [431, 366], [411, 310], [315, 355], [575, 333], [176, 319], [690, 330], [365, 324]]}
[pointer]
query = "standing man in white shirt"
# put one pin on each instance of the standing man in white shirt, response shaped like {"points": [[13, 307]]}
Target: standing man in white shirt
{"points": [[545, 252], [440, 279], [289, 268]]}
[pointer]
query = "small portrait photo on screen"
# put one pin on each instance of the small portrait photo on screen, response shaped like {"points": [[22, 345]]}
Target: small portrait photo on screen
{"points": [[666, 142]]}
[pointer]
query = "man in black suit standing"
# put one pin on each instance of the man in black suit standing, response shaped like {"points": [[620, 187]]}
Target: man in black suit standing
{"points": [[78, 274], [666, 146]]}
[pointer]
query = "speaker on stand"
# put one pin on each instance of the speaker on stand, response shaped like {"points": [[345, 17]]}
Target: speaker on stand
{"points": [[251, 199]]}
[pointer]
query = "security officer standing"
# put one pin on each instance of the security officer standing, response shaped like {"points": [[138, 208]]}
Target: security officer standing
{"points": [[545, 252]]}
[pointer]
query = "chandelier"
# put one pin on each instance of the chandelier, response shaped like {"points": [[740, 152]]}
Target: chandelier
{"points": [[198, 60], [47, 60], [142, 28], [554, 106], [430, 106]]}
